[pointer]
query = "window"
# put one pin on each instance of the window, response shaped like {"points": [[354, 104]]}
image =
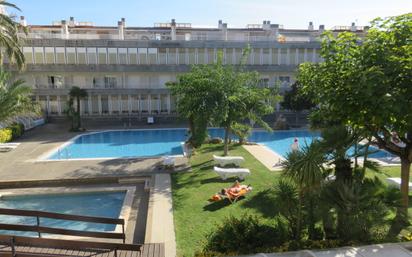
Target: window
{"points": [[292, 56], [229, 55], [164, 99], [309, 55], [55, 81], [28, 54], [38, 55], [256, 56], [162, 56], [266, 56], [264, 82], [81, 55], [238, 55], [115, 104], [275, 56], [132, 55], [71, 55], [152, 55], [60, 56], [154, 101], [192, 56], [172, 56], [135, 103], [91, 55], [301, 55], [124, 104], [105, 104], [122, 55], [49, 55], [283, 56], [112, 55], [102, 55], [201, 56], [142, 55], [210, 55], [110, 82], [182, 55]]}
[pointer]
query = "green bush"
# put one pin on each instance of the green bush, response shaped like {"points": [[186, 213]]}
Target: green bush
{"points": [[17, 130], [242, 131], [6, 135], [245, 235]]}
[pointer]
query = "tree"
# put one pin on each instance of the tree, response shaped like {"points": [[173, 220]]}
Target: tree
{"points": [[242, 100], [295, 101], [366, 85], [15, 98], [77, 93], [9, 39], [305, 168]]}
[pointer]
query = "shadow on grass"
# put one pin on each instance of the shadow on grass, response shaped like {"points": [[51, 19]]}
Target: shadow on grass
{"points": [[218, 179], [215, 206], [262, 202]]}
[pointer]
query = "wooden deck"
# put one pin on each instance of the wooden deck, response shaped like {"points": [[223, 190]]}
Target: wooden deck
{"points": [[36, 247]]}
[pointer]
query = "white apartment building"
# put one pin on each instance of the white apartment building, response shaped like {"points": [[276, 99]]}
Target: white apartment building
{"points": [[125, 69]]}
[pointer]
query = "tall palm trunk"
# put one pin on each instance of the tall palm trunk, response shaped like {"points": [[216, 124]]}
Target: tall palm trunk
{"points": [[226, 142], [78, 113]]}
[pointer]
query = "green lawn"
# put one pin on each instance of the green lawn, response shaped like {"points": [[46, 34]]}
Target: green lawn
{"points": [[195, 217]]}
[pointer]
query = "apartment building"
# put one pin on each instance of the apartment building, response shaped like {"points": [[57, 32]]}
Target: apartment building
{"points": [[125, 69]]}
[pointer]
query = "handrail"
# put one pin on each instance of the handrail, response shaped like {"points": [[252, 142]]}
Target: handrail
{"points": [[60, 231], [66, 244], [53, 215]]}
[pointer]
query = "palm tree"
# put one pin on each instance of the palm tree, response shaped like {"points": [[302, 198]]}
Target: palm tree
{"points": [[15, 98], [305, 168], [77, 93], [9, 39]]}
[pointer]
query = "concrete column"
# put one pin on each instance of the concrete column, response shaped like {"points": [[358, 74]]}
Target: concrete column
{"points": [[233, 55], [279, 57], [48, 104], [129, 103], [124, 85], [196, 56], [167, 55], [305, 55], [224, 31], [214, 55], [186, 55], [89, 102], [177, 55], [149, 104], [288, 56], [59, 106], [99, 103], [139, 103], [159, 100], [297, 56], [252, 56], [109, 99], [270, 56], [261, 56], [120, 102], [64, 29], [206, 56], [314, 55], [168, 104]]}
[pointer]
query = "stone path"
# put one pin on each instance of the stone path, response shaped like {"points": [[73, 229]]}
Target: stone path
{"points": [[266, 156]]}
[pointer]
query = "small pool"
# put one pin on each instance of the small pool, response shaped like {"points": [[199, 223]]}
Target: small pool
{"points": [[99, 204], [160, 142]]}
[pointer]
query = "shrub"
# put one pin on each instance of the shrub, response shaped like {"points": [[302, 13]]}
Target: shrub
{"points": [[6, 135], [242, 131], [245, 235], [215, 140], [17, 130]]}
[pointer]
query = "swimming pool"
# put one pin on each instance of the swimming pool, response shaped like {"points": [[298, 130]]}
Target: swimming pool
{"points": [[99, 204], [160, 142]]}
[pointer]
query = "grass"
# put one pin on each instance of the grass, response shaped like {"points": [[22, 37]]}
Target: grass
{"points": [[195, 217]]}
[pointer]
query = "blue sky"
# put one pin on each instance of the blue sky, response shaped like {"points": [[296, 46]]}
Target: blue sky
{"points": [[237, 13]]}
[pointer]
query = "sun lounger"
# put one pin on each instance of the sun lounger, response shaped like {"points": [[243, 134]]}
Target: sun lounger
{"points": [[5, 147], [227, 160], [150, 120], [231, 172], [396, 182], [168, 162]]}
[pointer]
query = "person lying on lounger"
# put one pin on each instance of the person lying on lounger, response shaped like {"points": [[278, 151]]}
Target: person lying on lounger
{"points": [[233, 192]]}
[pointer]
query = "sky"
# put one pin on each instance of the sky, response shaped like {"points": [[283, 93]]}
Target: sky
{"points": [[237, 13]]}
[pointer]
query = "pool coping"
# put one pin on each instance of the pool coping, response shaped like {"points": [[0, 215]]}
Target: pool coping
{"points": [[124, 211], [43, 157]]}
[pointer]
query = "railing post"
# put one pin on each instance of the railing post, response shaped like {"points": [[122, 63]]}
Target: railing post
{"points": [[115, 252], [13, 250], [124, 235], [38, 225]]}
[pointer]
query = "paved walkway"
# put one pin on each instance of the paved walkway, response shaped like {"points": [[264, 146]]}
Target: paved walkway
{"points": [[19, 164], [160, 227], [266, 156]]}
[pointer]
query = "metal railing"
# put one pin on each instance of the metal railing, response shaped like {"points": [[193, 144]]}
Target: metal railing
{"points": [[60, 231]]}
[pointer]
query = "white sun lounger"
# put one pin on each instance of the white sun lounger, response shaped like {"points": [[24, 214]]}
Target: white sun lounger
{"points": [[227, 160], [396, 182], [5, 147], [231, 172]]}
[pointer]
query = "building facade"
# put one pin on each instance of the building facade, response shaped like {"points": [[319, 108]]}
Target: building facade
{"points": [[125, 69]]}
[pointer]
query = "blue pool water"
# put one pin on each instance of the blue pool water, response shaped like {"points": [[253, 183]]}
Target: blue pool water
{"points": [[146, 143], [99, 204]]}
